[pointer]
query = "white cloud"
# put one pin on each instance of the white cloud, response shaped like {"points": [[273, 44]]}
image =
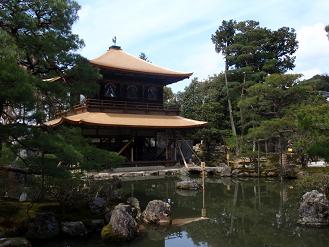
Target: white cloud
{"points": [[309, 73], [205, 61], [313, 52], [135, 21], [176, 33]]}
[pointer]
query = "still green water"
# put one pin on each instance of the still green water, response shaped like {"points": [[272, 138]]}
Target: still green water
{"points": [[247, 212]]}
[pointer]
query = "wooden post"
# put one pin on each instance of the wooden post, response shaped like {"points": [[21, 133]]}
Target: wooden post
{"points": [[175, 150], [258, 161], [203, 171], [132, 153], [167, 144], [181, 153]]}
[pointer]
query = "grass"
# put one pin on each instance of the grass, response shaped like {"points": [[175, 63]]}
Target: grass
{"points": [[14, 213], [317, 170]]}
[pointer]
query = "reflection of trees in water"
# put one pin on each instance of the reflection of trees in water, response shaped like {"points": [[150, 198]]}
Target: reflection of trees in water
{"points": [[12, 184], [242, 213], [247, 216]]}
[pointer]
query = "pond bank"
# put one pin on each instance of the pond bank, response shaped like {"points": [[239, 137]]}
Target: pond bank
{"points": [[135, 172], [222, 171]]}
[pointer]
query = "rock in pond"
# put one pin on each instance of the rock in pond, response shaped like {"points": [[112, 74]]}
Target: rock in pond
{"points": [[314, 209], [122, 225], [74, 229], [187, 185], [43, 226], [14, 242], [157, 212]]}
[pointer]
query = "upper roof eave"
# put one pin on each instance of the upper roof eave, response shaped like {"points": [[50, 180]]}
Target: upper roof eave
{"points": [[117, 60]]}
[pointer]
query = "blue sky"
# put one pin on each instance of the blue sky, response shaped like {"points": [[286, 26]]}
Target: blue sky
{"points": [[176, 33]]}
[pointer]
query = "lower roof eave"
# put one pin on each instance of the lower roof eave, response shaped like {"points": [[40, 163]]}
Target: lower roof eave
{"points": [[127, 121]]}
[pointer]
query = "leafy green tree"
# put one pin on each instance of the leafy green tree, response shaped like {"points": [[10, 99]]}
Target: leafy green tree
{"points": [[223, 39], [251, 52], [169, 98], [40, 75], [313, 130], [206, 101], [16, 87], [282, 109], [42, 31]]}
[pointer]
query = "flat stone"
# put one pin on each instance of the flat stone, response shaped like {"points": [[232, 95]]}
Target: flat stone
{"points": [[271, 174], [187, 185], [74, 229], [14, 242]]}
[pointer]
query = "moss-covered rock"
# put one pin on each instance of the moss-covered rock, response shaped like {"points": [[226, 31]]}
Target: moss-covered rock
{"points": [[122, 226], [107, 233]]}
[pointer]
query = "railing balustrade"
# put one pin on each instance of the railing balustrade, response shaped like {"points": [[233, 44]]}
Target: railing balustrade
{"points": [[108, 105]]}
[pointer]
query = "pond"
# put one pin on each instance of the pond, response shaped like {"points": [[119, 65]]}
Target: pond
{"points": [[250, 212]]}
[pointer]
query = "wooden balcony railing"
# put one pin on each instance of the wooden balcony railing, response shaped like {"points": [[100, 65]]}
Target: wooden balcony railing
{"points": [[93, 105]]}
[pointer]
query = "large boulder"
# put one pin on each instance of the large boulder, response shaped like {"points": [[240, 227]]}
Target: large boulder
{"points": [[122, 225], [314, 209], [188, 185], [43, 226], [74, 229], [14, 242], [157, 212]]}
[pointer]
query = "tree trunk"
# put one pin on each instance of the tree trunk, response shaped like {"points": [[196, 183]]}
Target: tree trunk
{"points": [[1, 137], [229, 103], [42, 193], [241, 96]]}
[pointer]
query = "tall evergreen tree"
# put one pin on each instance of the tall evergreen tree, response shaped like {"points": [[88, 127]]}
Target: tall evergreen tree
{"points": [[251, 52], [39, 69]]}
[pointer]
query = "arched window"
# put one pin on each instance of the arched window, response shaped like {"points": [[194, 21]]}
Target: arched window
{"points": [[109, 90], [152, 93], [132, 92]]}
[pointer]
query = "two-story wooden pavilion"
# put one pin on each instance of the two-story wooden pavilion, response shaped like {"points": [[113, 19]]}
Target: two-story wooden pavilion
{"points": [[128, 115]]}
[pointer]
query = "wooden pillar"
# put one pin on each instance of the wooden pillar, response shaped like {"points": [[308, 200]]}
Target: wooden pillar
{"points": [[167, 145], [175, 149], [132, 151]]}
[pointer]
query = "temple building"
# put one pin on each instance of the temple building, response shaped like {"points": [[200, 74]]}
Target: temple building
{"points": [[128, 115]]}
